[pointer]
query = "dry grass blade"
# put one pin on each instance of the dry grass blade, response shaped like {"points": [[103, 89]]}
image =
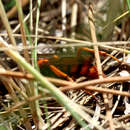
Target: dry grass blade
{"points": [[60, 46], [98, 63]]}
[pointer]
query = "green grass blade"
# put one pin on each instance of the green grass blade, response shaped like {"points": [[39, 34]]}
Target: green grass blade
{"points": [[34, 54], [128, 4], [2, 127], [9, 5]]}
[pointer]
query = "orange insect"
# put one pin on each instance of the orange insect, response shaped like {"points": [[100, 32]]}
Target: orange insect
{"points": [[79, 68]]}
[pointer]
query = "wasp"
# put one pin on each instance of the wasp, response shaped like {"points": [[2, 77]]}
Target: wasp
{"points": [[72, 67]]}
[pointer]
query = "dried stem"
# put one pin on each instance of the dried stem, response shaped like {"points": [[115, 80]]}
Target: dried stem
{"points": [[101, 90], [22, 29], [69, 85], [81, 43], [98, 62], [74, 19]]}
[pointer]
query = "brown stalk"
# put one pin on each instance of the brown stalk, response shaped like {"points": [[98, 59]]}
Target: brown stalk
{"points": [[108, 91], [124, 117], [98, 63], [69, 85], [22, 29], [95, 82], [91, 88], [94, 39]]}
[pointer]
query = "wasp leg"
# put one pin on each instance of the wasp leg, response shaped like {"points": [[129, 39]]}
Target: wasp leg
{"points": [[60, 73], [100, 52]]}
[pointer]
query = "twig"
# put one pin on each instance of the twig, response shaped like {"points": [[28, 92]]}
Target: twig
{"points": [[25, 20], [124, 117], [102, 90], [108, 91], [94, 39], [98, 63], [80, 42], [74, 19], [22, 29], [69, 85], [63, 13], [96, 81]]}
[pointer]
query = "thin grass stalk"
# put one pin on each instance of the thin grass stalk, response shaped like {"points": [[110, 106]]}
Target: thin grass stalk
{"points": [[113, 9], [46, 112], [90, 88], [16, 29], [116, 19], [74, 19], [76, 112], [98, 64], [94, 39], [63, 13], [34, 56], [6, 23], [12, 39], [8, 28], [22, 28], [31, 17], [9, 87], [37, 107], [76, 43]]}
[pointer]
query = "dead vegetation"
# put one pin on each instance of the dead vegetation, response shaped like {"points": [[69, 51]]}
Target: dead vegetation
{"points": [[65, 65]]}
